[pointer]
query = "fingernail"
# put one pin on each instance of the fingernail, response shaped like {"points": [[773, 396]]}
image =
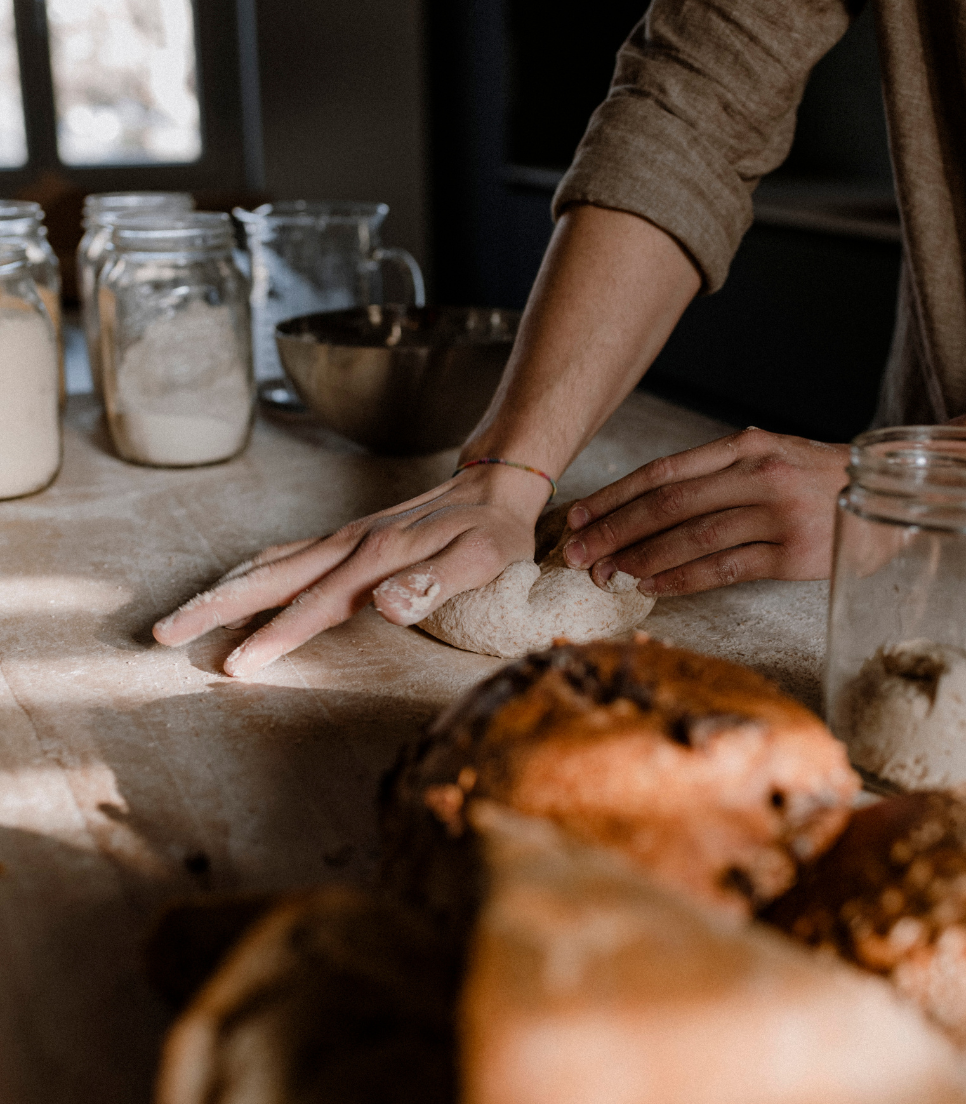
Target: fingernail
{"points": [[578, 517], [648, 587], [604, 570], [574, 553]]}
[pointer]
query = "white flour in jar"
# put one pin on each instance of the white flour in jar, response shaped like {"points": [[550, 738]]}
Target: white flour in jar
{"points": [[903, 716], [183, 392], [29, 413]]}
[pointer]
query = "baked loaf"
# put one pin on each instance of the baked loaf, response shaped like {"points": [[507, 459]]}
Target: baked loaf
{"points": [[579, 981], [891, 896], [587, 982], [700, 771], [335, 997]]}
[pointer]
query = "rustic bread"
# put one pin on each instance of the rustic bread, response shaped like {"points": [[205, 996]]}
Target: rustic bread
{"points": [[699, 770], [890, 896], [334, 997], [584, 981]]}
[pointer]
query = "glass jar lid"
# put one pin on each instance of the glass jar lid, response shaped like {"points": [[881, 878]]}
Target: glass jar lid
{"points": [[101, 204], [187, 232], [19, 217], [12, 257]]}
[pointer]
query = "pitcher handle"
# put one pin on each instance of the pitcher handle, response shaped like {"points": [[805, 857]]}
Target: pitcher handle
{"points": [[408, 263]]}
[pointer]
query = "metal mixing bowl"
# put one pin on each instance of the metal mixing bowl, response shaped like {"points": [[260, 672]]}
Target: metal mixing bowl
{"points": [[403, 381]]}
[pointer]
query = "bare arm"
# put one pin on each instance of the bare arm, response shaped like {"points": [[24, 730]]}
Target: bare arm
{"points": [[611, 288]]}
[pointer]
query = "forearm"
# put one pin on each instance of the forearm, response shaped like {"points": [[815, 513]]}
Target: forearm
{"points": [[611, 288]]}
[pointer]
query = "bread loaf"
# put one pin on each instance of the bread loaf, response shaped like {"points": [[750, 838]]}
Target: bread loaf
{"points": [[890, 896], [580, 981], [698, 770]]}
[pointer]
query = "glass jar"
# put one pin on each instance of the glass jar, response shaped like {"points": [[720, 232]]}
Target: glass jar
{"points": [[175, 341], [101, 211], [30, 445], [22, 221], [895, 680]]}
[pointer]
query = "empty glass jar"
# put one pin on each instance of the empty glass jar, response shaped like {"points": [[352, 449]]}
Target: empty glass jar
{"points": [[101, 211], [30, 447], [22, 221], [175, 341], [896, 666]]}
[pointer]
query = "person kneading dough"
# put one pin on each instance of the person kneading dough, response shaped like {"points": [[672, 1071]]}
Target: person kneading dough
{"points": [[534, 602]]}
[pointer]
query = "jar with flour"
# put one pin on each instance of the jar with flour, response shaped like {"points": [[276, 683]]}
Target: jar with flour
{"points": [[30, 446], [22, 222], [101, 211], [895, 680], [175, 341]]}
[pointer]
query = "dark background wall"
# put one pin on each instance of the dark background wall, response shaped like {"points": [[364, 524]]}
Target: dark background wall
{"points": [[344, 111]]}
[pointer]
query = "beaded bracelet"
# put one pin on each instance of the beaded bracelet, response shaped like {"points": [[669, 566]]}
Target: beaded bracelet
{"points": [[510, 464]]}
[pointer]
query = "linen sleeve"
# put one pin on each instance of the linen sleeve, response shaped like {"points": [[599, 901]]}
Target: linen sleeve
{"points": [[703, 103]]}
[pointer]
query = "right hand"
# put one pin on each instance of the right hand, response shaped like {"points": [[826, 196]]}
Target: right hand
{"points": [[415, 556]]}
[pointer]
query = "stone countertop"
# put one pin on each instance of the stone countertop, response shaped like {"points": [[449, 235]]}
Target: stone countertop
{"points": [[133, 775]]}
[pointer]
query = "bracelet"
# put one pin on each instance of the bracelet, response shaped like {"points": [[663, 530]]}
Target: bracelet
{"points": [[509, 464]]}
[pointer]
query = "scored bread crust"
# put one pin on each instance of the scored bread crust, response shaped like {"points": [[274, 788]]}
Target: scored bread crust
{"points": [[890, 896], [699, 770]]}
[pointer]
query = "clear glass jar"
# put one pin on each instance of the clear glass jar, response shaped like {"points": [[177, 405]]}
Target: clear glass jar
{"points": [[895, 680], [30, 444], [176, 341], [101, 211], [22, 221]]}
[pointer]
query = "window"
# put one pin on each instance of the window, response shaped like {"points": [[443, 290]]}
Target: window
{"points": [[124, 81], [127, 93], [13, 135]]}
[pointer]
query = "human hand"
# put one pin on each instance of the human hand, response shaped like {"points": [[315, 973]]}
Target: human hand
{"points": [[753, 505], [415, 556]]}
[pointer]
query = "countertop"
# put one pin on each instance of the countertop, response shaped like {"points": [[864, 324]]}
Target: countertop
{"points": [[133, 775]]}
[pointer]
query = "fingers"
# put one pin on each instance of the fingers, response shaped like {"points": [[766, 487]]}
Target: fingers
{"points": [[275, 582], [348, 587], [267, 555], [734, 565], [659, 510], [469, 562], [690, 464], [693, 540]]}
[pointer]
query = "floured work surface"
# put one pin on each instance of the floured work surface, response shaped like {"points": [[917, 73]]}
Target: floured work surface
{"points": [[131, 775]]}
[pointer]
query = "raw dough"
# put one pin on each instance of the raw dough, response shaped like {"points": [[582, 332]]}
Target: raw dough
{"points": [[903, 716], [529, 605]]}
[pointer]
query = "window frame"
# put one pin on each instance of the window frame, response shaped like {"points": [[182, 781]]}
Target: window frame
{"points": [[226, 74]]}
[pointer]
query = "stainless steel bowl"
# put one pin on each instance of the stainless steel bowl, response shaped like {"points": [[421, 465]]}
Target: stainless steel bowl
{"points": [[403, 381]]}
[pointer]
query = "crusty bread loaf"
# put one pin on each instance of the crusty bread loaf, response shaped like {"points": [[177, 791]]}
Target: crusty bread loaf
{"points": [[585, 983], [699, 770], [891, 896], [334, 997]]}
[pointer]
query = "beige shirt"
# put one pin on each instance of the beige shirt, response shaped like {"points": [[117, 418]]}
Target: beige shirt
{"points": [[703, 104]]}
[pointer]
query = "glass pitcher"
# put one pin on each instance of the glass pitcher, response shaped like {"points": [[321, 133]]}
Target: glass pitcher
{"points": [[308, 257]]}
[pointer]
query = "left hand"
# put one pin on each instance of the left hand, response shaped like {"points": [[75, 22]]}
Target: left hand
{"points": [[754, 505]]}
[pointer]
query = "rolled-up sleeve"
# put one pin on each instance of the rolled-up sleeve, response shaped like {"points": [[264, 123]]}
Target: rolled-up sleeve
{"points": [[702, 104]]}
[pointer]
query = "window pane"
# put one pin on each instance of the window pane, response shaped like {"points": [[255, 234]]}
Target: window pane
{"points": [[13, 138], [124, 81]]}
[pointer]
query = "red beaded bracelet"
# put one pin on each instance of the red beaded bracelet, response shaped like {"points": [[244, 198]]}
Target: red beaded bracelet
{"points": [[509, 464]]}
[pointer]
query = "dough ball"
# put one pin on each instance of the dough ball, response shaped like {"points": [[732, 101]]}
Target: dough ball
{"points": [[903, 716], [533, 603]]}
